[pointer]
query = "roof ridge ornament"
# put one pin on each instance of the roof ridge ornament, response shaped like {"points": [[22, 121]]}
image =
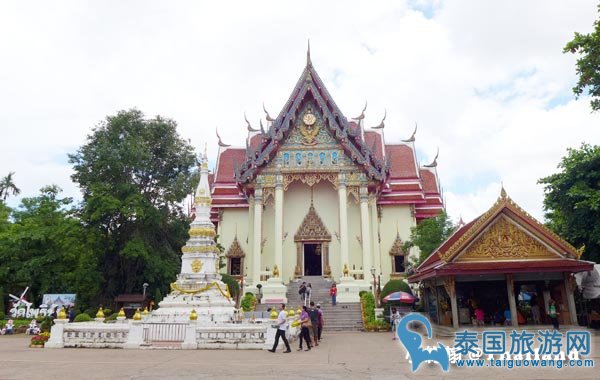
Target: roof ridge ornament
{"points": [[249, 126], [382, 124], [503, 194], [221, 143], [362, 114], [268, 117], [434, 162], [412, 137], [308, 61]]}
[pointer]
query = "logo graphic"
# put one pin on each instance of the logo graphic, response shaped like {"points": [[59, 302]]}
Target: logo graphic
{"points": [[412, 342]]}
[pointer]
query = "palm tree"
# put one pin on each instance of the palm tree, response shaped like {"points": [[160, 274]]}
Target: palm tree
{"points": [[8, 186]]}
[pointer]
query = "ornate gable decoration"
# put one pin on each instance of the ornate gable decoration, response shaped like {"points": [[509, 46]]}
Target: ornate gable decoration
{"points": [[324, 115], [397, 248], [503, 240], [312, 228], [505, 205], [235, 249]]}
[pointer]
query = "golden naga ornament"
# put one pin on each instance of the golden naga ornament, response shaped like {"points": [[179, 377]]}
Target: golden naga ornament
{"points": [[309, 129], [196, 266]]}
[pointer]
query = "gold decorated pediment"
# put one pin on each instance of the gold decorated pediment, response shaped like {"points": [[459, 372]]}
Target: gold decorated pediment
{"points": [[235, 250], [312, 228], [504, 240]]}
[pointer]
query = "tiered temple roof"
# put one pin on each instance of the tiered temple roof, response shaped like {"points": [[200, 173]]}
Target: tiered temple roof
{"points": [[394, 167]]}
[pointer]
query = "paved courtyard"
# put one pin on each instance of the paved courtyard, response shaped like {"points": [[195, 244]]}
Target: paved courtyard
{"points": [[340, 356]]}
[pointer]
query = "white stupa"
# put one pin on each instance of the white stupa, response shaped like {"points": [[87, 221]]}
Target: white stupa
{"points": [[198, 286]]}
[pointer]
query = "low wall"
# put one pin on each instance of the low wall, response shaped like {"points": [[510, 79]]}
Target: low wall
{"points": [[145, 334]]}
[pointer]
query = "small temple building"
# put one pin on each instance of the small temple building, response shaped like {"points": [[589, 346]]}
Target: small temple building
{"points": [[313, 193], [504, 262]]}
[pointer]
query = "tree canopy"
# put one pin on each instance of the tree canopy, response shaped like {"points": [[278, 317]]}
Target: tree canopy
{"points": [[572, 199], [134, 172], [47, 248], [430, 234], [587, 47]]}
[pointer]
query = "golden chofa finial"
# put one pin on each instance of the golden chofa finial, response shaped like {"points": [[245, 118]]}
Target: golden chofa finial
{"points": [[100, 313], [137, 316], [145, 312], [503, 192], [121, 313], [193, 315], [62, 314]]}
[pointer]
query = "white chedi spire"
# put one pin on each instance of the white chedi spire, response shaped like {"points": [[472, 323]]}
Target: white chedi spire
{"points": [[200, 254]]}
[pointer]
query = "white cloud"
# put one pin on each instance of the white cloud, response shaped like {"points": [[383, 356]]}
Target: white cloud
{"points": [[479, 77]]}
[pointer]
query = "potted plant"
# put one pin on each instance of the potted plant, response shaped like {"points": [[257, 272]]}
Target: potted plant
{"points": [[38, 341]]}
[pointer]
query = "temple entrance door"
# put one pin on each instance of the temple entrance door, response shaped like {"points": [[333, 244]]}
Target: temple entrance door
{"points": [[313, 260]]}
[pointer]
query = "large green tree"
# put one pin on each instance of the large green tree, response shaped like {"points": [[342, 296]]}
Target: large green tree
{"points": [[133, 173], [587, 47], [429, 234], [572, 199], [47, 248]]}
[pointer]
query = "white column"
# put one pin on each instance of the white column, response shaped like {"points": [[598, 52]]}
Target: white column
{"points": [[375, 236], [343, 222], [569, 291], [365, 232], [257, 242], [512, 303], [279, 225]]}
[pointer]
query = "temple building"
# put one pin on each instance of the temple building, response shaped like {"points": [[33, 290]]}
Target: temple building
{"points": [[507, 264], [314, 193]]}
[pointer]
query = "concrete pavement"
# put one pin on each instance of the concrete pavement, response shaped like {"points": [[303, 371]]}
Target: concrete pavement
{"points": [[353, 355]]}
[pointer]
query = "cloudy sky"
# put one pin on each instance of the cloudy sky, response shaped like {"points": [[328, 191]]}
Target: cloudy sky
{"points": [[486, 81]]}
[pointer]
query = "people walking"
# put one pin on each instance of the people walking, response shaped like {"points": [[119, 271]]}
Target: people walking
{"points": [[333, 294], [394, 320], [320, 322], [281, 329], [302, 292], [308, 293], [314, 320], [305, 325]]}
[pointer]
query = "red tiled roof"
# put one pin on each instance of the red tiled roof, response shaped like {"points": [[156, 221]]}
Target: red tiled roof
{"points": [[227, 161], [371, 138], [402, 161], [429, 181], [255, 142]]}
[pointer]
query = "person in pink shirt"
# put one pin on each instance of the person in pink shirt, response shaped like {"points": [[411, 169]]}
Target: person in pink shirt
{"points": [[479, 316]]}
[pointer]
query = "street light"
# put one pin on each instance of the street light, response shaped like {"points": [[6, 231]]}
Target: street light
{"points": [[145, 285]]}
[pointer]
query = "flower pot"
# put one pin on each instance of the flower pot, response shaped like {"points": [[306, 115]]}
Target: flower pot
{"points": [[36, 346]]}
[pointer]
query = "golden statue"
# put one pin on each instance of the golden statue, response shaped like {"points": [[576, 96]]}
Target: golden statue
{"points": [[275, 271], [196, 266], [309, 129], [346, 271]]}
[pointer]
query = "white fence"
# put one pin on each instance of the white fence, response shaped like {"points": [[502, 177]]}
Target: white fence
{"points": [[164, 332]]}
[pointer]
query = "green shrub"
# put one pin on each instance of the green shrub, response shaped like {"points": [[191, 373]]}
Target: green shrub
{"points": [[248, 302], [2, 315], [106, 312], [112, 317], [83, 317], [232, 284], [368, 306], [360, 294], [394, 286]]}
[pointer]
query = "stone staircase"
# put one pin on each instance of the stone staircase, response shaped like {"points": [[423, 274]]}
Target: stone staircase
{"points": [[342, 317]]}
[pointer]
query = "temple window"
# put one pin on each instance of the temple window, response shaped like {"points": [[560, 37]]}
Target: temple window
{"points": [[334, 158], [286, 159], [322, 158], [310, 158], [235, 266], [299, 159], [398, 264]]}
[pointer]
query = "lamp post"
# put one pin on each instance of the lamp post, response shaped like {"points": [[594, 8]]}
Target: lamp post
{"points": [[144, 286]]}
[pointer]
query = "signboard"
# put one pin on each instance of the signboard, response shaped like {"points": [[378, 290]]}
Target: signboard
{"points": [[60, 300]]}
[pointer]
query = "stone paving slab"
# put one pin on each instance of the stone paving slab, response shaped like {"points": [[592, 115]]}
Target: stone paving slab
{"points": [[352, 355]]}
